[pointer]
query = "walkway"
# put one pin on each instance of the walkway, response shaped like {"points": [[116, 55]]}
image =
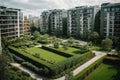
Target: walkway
{"points": [[31, 73], [85, 65], [75, 72]]}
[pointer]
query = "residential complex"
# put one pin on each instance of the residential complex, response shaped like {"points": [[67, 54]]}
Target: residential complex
{"points": [[11, 22], [54, 22], [26, 25], [110, 20], [80, 18]]}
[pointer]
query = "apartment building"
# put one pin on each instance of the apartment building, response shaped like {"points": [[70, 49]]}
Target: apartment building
{"points": [[110, 20], [11, 22], [0, 43], [45, 21], [54, 22], [26, 25], [79, 18]]}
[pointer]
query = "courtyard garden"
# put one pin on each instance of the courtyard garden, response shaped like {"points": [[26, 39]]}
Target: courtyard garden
{"points": [[48, 56]]}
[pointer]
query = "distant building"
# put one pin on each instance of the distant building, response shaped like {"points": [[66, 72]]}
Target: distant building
{"points": [[36, 22], [45, 21], [54, 22], [57, 17], [11, 22], [80, 18], [110, 20], [26, 25], [0, 43]]}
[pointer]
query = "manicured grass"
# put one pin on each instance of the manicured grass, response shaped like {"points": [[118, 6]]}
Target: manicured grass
{"points": [[103, 72], [95, 48], [70, 50], [50, 56]]}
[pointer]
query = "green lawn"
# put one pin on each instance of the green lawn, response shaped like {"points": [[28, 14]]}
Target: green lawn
{"points": [[70, 50], [103, 72], [50, 56]]}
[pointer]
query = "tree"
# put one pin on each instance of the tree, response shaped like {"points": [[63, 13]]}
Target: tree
{"points": [[5, 42], [94, 36], [56, 45], [115, 41], [85, 33], [33, 28], [107, 44], [84, 48], [65, 46], [36, 35], [4, 75], [71, 40]]}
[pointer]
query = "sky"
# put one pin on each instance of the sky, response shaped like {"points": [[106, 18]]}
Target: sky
{"points": [[35, 7]]}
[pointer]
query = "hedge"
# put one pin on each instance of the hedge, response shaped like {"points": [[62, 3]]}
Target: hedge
{"points": [[70, 62], [57, 51], [88, 70], [29, 58]]}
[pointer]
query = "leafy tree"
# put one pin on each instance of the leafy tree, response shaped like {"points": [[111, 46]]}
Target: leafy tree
{"points": [[69, 76], [56, 45], [85, 33], [94, 36], [115, 41], [5, 42], [107, 44], [4, 75], [33, 28], [84, 48], [36, 35], [65, 46], [71, 40]]}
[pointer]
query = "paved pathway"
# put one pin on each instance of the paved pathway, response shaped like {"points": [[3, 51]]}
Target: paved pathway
{"points": [[75, 72], [85, 65], [31, 73]]}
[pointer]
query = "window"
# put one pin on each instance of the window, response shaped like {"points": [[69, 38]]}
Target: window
{"points": [[113, 9], [105, 9]]}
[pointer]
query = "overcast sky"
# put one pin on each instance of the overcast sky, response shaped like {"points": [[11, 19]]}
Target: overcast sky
{"points": [[35, 7]]}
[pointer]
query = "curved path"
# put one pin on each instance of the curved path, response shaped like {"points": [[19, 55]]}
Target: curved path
{"points": [[75, 72]]}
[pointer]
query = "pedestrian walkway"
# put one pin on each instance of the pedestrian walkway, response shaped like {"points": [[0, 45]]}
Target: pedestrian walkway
{"points": [[85, 65]]}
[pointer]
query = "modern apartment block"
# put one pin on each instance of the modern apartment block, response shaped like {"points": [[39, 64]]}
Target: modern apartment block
{"points": [[45, 21], [11, 22], [57, 17], [80, 18], [54, 22], [110, 20], [26, 25], [0, 43]]}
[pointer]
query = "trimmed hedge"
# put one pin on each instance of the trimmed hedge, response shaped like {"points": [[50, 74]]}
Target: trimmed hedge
{"points": [[29, 58], [57, 51], [88, 70], [70, 62]]}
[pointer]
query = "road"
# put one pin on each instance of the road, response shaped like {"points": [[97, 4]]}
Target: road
{"points": [[98, 55]]}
